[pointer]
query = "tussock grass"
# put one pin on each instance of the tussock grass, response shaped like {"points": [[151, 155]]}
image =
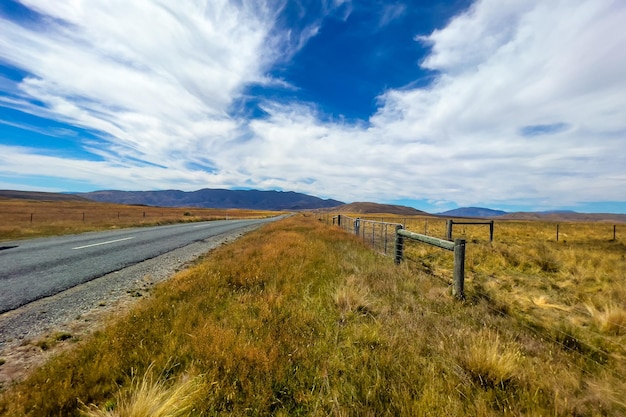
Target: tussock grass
{"points": [[299, 318], [490, 362], [150, 397], [611, 319]]}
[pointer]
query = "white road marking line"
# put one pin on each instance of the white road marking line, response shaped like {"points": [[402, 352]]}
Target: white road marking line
{"points": [[204, 225], [104, 243]]}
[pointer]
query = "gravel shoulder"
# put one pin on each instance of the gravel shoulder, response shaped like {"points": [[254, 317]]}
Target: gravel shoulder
{"points": [[30, 334]]}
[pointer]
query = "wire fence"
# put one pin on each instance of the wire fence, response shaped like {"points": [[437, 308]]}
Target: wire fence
{"points": [[590, 348], [10, 217], [380, 235], [565, 232]]}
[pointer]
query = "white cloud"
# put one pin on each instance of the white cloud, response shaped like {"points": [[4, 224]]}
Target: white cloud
{"points": [[152, 79], [390, 12], [17, 161], [509, 65], [156, 82]]}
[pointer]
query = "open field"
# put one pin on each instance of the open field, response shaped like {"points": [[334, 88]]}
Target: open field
{"points": [[300, 318], [21, 219]]}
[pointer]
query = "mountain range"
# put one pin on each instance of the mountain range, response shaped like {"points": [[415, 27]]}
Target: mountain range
{"points": [[472, 212], [279, 200], [215, 198], [39, 196]]}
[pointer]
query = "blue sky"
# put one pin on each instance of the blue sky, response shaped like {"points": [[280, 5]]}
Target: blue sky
{"points": [[507, 104]]}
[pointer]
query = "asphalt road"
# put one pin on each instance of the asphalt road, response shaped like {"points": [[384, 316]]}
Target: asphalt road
{"points": [[37, 268]]}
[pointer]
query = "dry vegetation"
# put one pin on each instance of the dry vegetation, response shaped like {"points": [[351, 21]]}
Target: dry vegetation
{"points": [[34, 218], [299, 318]]}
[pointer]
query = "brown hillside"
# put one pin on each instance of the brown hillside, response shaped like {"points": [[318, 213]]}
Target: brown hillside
{"points": [[370, 208], [39, 196]]}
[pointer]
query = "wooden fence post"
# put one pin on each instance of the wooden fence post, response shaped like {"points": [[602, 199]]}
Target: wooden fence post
{"points": [[557, 232], [339, 220], [458, 288], [449, 229], [357, 225], [491, 231], [399, 246], [386, 238], [614, 231]]}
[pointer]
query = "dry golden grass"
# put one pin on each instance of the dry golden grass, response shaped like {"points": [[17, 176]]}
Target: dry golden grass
{"points": [[34, 218], [490, 362], [299, 318], [150, 397], [611, 319]]}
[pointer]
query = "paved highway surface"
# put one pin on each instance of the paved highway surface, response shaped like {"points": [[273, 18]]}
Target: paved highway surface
{"points": [[37, 268]]}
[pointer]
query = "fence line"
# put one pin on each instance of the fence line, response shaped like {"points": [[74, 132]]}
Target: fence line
{"points": [[451, 222], [581, 344], [458, 247], [380, 236], [358, 227]]}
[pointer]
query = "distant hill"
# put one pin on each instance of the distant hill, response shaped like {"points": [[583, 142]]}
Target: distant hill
{"points": [[472, 212], [215, 198], [371, 208], [550, 216], [40, 196], [566, 216]]}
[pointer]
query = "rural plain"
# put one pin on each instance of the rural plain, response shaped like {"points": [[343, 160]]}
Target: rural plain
{"points": [[303, 318]]}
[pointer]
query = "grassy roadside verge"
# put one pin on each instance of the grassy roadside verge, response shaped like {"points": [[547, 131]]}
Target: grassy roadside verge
{"points": [[298, 318]]}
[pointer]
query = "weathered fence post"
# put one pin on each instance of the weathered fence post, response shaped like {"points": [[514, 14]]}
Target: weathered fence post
{"points": [[357, 225], [458, 289], [339, 220], [449, 229], [385, 238], [557, 232], [614, 231], [491, 231], [399, 245]]}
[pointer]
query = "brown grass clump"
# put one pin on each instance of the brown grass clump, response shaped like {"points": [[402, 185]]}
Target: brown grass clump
{"points": [[489, 361], [353, 299], [150, 397], [611, 319]]}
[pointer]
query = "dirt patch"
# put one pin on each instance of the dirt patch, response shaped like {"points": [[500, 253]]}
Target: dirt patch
{"points": [[30, 354]]}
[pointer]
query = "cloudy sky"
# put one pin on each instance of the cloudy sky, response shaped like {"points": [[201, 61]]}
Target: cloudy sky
{"points": [[509, 104]]}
